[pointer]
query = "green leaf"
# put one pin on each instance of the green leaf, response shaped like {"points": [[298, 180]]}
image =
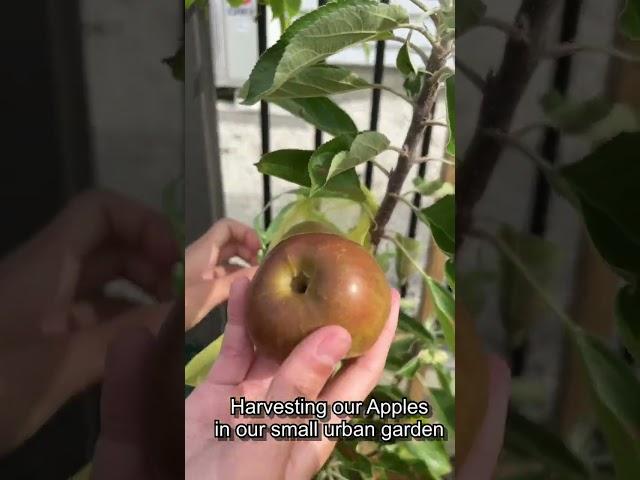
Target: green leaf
{"points": [[441, 220], [628, 316], [574, 117], [519, 305], [293, 7], [403, 61], [347, 184], [401, 351], [412, 84], [450, 273], [468, 14], [605, 182], [409, 369], [405, 267], [533, 441], [384, 260], [318, 35], [366, 146], [408, 324], [199, 366], [445, 307], [290, 165], [432, 454], [295, 165], [616, 393], [322, 113], [630, 19], [203, 3], [319, 81], [451, 112]]}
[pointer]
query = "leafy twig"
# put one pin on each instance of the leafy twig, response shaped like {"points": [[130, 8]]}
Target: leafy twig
{"points": [[502, 94], [421, 115], [570, 48]]}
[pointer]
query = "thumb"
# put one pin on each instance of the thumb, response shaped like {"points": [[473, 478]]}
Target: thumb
{"points": [[120, 451]]}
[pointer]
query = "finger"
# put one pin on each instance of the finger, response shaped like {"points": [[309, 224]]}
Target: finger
{"points": [[483, 455], [200, 298], [109, 264], [98, 217], [202, 255], [260, 375], [353, 383], [307, 369], [120, 447], [357, 380], [236, 353]]}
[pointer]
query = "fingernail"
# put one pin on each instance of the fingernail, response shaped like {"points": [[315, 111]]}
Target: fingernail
{"points": [[334, 346]]}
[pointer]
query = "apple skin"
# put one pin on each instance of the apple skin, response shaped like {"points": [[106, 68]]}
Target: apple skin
{"points": [[312, 280]]}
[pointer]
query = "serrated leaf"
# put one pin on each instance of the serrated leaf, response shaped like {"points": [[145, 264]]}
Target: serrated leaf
{"points": [[413, 83], [441, 220], [605, 182], [574, 117], [294, 166], [319, 81], [199, 366], [445, 307], [468, 14], [320, 112], [630, 19], [403, 61], [365, 146], [293, 7], [519, 305], [451, 113], [616, 394], [347, 184], [318, 35], [405, 265], [533, 441], [408, 324], [290, 165], [628, 317]]}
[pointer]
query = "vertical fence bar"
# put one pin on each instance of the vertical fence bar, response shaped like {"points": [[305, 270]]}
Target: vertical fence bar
{"points": [[378, 72], [549, 149], [264, 116]]}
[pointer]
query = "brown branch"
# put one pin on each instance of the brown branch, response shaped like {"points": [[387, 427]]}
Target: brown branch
{"points": [[502, 93], [419, 120]]}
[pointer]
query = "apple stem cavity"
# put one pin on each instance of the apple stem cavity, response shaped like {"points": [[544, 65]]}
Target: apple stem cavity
{"points": [[300, 283]]}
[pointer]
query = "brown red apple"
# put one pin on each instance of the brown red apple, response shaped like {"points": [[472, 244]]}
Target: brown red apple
{"points": [[310, 280]]}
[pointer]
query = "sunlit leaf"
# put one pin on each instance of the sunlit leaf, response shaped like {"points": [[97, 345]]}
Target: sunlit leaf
{"points": [[403, 61], [441, 220], [318, 81], [318, 35], [451, 114], [407, 257], [199, 366]]}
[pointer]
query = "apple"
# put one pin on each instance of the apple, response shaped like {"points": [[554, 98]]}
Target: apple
{"points": [[312, 279]]}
